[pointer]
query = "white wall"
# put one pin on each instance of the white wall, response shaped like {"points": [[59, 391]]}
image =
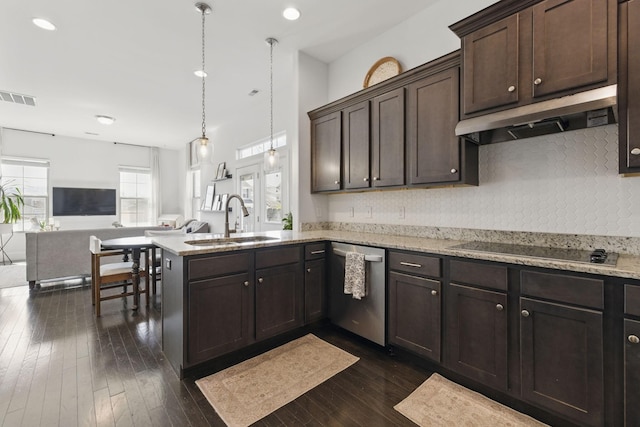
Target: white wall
{"points": [[76, 162]]}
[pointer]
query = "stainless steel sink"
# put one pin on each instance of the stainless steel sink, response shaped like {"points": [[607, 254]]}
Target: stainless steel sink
{"points": [[230, 240]]}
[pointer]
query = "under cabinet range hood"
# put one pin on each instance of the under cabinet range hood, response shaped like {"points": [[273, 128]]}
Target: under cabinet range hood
{"points": [[595, 107]]}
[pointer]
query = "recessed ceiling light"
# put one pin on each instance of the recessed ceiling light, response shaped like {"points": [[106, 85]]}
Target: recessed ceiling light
{"points": [[291, 13], [105, 120], [200, 73], [44, 24]]}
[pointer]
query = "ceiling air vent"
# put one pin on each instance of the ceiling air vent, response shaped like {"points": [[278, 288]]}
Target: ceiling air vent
{"points": [[18, 98]]}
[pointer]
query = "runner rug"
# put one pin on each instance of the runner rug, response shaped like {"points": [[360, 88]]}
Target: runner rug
{"points": [[248, 391], [440, 402]]}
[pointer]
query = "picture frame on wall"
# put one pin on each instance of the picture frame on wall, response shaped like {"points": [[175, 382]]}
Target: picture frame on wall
{"points": [[207, 204], [221, 170], [215, 205], [223, 200]]}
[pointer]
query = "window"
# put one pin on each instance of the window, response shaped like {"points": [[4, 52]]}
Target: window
{"points": [[135, 196], [255, 148], [31, 177], [196, 195]]}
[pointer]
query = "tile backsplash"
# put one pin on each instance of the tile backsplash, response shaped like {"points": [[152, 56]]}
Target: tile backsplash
{"points": [[561, 183]]}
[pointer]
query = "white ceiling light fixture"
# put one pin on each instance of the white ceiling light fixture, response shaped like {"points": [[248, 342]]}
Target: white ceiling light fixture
{"points": [[271, 156], [44, 24], [105, 120], [203, 140], [291, 13]]}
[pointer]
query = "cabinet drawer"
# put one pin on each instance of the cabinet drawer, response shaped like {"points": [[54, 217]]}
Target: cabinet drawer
{"points": [[314, 251], [558, 287], [632, 300], [219, 265], [415, 264], [486, 275], [278, 256]]}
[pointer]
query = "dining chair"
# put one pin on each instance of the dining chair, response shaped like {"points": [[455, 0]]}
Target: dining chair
{"points": [[106, 276]]}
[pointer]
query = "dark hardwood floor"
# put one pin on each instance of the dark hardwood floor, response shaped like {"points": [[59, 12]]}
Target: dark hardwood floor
{"points": [[62, 366]]}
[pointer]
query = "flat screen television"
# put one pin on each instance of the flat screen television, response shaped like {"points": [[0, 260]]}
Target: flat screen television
{"points": [[83, 201]]}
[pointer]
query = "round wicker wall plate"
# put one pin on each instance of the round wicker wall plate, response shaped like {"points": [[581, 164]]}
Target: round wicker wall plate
{"points": [[383, 69]]}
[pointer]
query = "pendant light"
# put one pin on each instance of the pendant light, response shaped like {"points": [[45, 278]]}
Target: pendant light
{"points": [[203, 140], [271, 156]]}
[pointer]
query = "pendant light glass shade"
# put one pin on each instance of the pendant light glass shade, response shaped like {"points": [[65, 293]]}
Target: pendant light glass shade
{"points": [[271, 156], [205, 149]]}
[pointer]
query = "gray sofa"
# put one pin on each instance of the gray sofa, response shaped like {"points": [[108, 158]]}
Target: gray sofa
{"points": [[65, 253]]}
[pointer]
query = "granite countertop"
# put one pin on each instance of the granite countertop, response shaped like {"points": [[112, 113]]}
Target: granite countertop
{"points": [[627, 266]]}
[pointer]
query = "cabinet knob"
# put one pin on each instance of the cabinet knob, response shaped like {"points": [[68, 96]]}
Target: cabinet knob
{"points": [[375, 178], [635, 151], [260, 280], [308, 270], [537, 81], [511, 88], [454, 170], [246, 283], [434, 292], [366, 179], [525, 313], [500, 307], [336, 182], [633, 339]]}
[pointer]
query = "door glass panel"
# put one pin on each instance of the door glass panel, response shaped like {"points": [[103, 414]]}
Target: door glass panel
{"points": [[247, 192], [273, 196]]}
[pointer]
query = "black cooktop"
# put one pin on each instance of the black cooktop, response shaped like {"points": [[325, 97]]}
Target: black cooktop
{"points": [[598, 256]]}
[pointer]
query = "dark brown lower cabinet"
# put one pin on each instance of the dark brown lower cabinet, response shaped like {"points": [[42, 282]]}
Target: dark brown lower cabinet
{"points": [[414, 314], [315, 299], [632, 372], [220, 316], [476, 331], [279, 299], [562, 360]]}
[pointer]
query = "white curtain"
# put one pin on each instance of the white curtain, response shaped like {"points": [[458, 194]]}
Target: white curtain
{"points": [[156, 197]]}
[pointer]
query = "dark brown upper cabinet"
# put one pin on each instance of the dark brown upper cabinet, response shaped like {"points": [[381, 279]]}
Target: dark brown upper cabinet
{"points": [[519, 52], [629, 87], [435, 154], [325, 150], [387, 124], [356, 144]]}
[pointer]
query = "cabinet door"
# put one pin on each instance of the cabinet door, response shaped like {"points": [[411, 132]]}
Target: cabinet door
{"points": [[490, 65], [388, 139], [315, 299], [434, 149], [629, 100], [220, 316], [414, 314], [570, 41], [476, 334], [279, 300], [632, 372], [562, 359], [325, 152], [355, 146]]}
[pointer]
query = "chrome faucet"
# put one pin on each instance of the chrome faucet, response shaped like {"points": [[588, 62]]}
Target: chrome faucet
{"points": [[245, 212]]}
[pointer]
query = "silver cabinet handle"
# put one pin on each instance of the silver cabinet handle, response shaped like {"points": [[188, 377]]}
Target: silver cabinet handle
{"points": [[336, 182], [633, 339], [308, 270], [434, 292], [635, 151], [260, 280], [366, 179], [511, 88], [537, 81], [317, 252], [246, 283], [525, 313], [499, 307], [454, 170], [375, 178], [410, 264]]}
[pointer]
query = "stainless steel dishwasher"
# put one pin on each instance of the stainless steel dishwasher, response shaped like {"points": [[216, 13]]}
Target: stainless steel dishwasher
{"points": [[365, 317]]}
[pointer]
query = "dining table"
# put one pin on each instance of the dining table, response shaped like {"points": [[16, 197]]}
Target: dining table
{"points": [[135, 245]]}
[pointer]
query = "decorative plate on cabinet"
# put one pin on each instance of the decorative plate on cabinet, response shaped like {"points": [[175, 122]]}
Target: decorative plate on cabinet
{"points": [[383, 69]]}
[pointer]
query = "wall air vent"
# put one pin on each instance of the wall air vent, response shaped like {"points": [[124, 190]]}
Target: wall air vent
{"points": [[17, 98]]}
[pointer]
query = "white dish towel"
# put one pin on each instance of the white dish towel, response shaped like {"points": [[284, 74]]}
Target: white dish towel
{"points": [[354, 275]]}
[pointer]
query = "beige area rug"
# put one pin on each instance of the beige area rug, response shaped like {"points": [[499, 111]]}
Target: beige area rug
{"points": [[13, 275], [440, 402], [251, 390]]}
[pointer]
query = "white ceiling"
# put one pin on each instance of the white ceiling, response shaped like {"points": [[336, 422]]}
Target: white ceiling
{"points": [[134, 60]]}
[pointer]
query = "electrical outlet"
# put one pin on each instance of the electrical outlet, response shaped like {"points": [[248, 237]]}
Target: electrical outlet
{"points": [[401, 212], [368, 212]]}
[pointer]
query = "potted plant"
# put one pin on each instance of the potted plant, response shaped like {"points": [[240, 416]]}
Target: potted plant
{"points": [[287, 222], [11, 203]]}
